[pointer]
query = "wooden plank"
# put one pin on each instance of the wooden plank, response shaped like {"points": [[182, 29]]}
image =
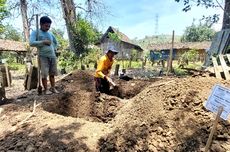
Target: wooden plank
{"points": [[222, 42], [225, 67], [228, 56], [216, 68], [225, 42], [215, 45], [215, 123], [210, 69]]}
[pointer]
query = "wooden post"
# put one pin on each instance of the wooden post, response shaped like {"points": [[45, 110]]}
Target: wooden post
{"points": [[122, 58], [7, 75], [116, 69], [170, 56], [130, 62], [220, 110], [28, 84]]}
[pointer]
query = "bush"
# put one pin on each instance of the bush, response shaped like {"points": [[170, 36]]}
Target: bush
{"points": [[68, 60]]}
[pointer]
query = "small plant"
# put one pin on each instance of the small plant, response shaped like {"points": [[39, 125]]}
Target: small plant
{"points": [[68, 60], [189, 56]]}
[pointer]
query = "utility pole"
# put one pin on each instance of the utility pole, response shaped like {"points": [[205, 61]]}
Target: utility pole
{"points": [[156, 24]]}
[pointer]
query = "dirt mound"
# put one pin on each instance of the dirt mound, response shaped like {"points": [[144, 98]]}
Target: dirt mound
{"points": [[164, 114], [79, 99], [167, 116]]}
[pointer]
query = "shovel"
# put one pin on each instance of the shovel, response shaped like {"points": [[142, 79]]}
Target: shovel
{"points": [[115, 90], [39, 75]]}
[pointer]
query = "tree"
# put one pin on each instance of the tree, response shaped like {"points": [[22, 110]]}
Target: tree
{"points": [[210, 3], [86, 34], [23, 8], [198, 33], [226, 19], [10, 33], [69, 15], [62, 43], [28, 10], [3, 13]]}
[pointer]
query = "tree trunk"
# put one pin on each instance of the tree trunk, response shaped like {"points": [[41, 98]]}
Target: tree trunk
{"points": [[226, 19], [23, 7], [69, 14], [169, 66]]}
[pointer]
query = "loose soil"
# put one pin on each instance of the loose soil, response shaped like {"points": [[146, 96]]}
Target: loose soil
{"points": [[157, 114]]}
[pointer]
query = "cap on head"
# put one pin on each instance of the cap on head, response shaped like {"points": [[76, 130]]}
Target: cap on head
{"points": [[112, 49], [45, 19]]}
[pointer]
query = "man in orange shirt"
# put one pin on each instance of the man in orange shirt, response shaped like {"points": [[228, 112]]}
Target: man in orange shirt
{"points": [[102, 79]]}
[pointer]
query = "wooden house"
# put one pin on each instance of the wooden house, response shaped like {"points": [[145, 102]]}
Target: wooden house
{"points": [[123, 45], [180, 48]]}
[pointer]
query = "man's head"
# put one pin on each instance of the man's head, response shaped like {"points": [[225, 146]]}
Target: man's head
{"points": [[111, 52], [45, 23]]}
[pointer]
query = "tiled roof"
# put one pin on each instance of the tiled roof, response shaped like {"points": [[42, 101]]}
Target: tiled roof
{"points": [[121, 36], [185, 45], [8, 45]]}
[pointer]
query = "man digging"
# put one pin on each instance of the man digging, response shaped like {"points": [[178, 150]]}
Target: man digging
{"points": [[102, 79]]}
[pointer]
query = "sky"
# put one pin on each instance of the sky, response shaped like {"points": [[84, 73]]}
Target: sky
{"points": [[137, 18]]}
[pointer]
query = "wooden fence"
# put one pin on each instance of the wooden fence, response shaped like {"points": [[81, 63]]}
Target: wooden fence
{"points": [[221, 66]]}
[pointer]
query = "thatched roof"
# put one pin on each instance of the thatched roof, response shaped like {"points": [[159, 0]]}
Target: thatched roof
{"points": [[181, 46], [122, 37], [16, 46]]}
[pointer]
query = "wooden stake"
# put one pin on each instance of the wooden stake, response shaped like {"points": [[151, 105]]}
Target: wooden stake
{"points": [[116, 69], [220, 110], [7, 75]]}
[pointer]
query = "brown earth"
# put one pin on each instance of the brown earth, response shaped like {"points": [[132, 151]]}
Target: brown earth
{"points": [[159, 114]]}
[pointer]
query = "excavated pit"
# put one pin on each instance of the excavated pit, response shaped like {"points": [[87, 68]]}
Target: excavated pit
{"points": [[79, 99]]}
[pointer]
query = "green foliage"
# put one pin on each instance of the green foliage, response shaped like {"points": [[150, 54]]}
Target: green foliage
{"points": [[86, 35], [198, 33], [190, 55], [92, 56], [67, 60], [16, 66], [180, 72], [10, 33], [188, 4], [10, 58], [114, 36], [126, 63], [134, 55], [62, 43], [3, 13], [11, 61]]}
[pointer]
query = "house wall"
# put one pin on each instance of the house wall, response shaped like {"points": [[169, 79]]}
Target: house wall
{"points": [[177, 53], [125, 49]]}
